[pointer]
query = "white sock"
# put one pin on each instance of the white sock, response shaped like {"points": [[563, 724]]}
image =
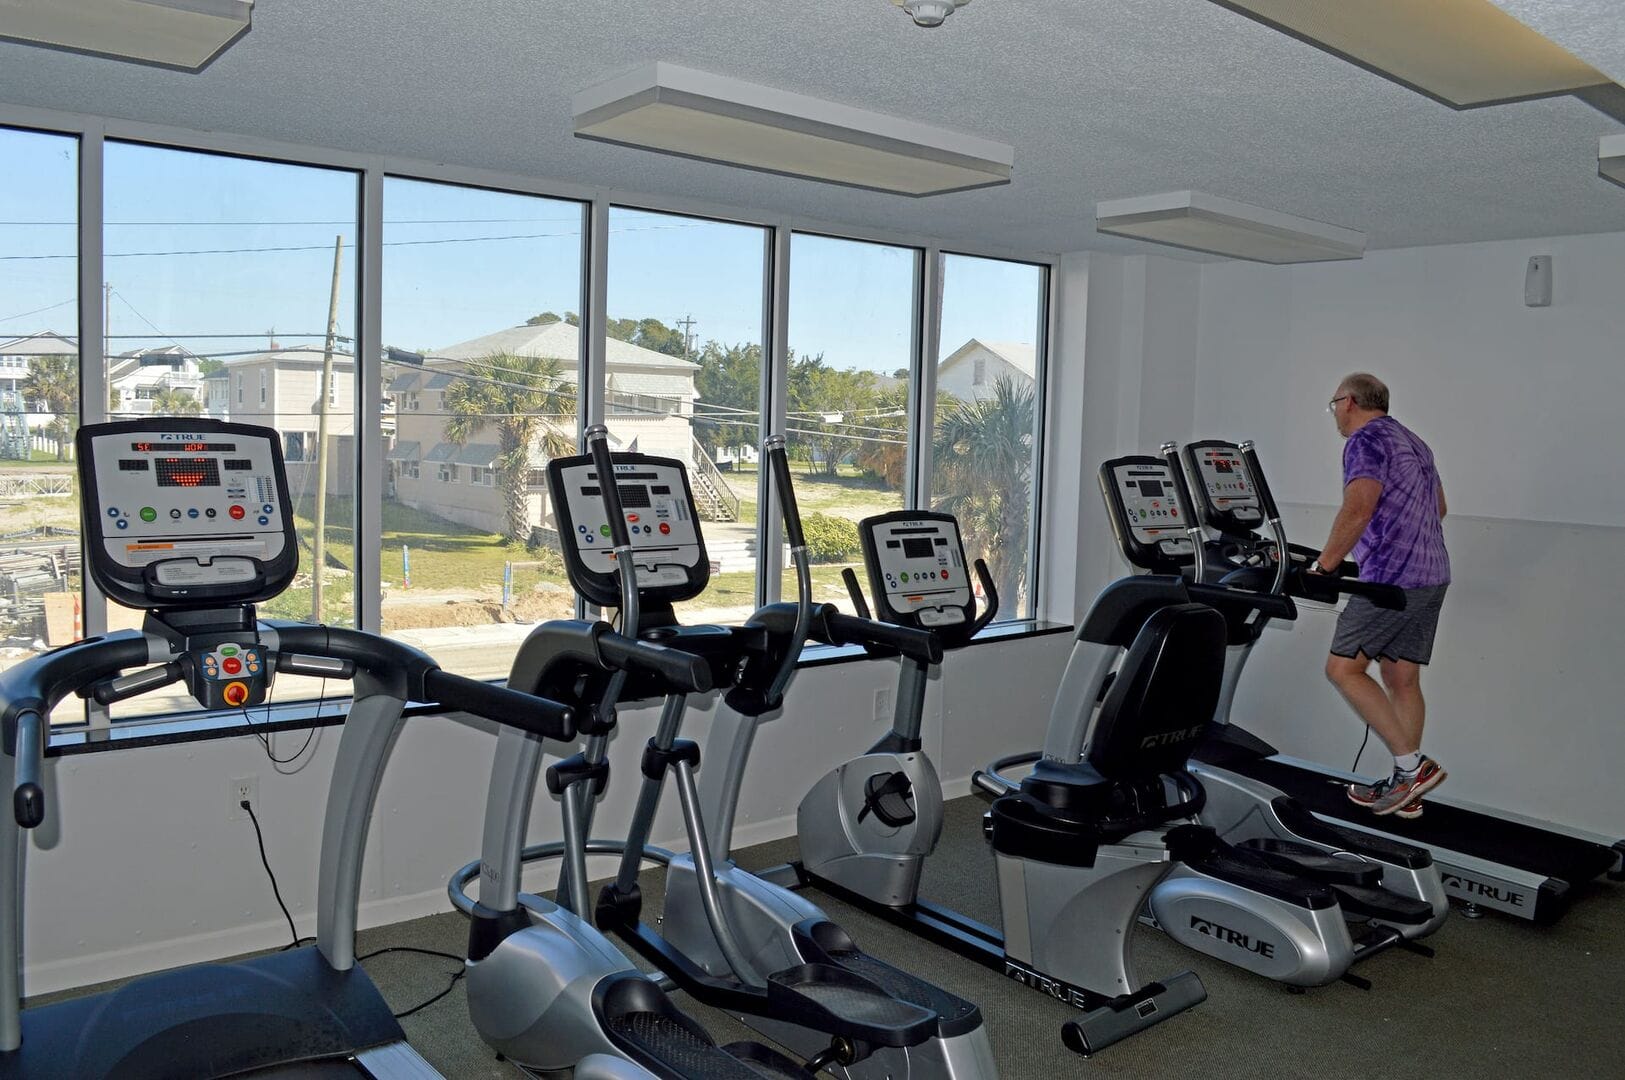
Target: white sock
{"points": [[1408, 763]]}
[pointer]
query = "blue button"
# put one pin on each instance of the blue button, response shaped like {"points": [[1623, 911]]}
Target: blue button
{"points": [[264, 520], [123, 523], [589, 538], [112, 511], [267, 508], [581, 528], [192, 513]]}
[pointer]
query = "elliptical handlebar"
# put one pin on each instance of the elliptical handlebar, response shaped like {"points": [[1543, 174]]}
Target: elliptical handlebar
{"points": [[1272, 513], [597, 437], [778, 459], [920, 645], [860, 603], [685, 672], [1187, 507], [990, 598]]}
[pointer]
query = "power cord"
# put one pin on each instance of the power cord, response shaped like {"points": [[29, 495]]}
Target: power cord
{"points": [[420, 1006], [275, 891], [265, 740], [1360, 753], [297, 940]]}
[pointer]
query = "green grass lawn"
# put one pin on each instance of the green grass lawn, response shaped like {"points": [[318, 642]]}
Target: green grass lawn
{"points": [[36, 458], [851, 494]]}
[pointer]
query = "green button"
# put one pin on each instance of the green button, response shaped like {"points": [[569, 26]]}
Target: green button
{"points": [[228, 650], [148, 514], [603, 530]]}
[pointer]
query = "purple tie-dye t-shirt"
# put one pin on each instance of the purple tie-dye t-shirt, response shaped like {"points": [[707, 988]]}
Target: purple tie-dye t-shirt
{"points": [[1404, 543]]}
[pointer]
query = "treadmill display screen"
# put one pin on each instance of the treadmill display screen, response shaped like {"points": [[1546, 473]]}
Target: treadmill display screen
{"points": [[916, 548]]}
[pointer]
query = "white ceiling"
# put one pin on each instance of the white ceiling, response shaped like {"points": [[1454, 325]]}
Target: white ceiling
{"points": [[1101, 98]]}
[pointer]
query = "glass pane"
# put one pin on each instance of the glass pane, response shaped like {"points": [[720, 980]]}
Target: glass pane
{"points": [[684, 364], [852, 346], [39, 398], [983, 448], [230, 292], [483, 286]]}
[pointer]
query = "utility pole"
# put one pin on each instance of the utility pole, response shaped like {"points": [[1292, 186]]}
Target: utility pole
{"points": [[687, 323], [324, 389]]}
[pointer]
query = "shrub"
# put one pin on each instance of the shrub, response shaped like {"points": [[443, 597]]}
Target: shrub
{"points": [[829, 538]]}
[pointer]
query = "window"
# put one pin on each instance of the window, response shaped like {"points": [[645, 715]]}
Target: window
{"points": [[484, 286], [203, 253], [39, 406], [684, 368], [985, 443], [239, 381], [853, 314], [293, 446]]}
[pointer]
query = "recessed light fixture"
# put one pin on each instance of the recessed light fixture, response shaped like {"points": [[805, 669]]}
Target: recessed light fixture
{"points": [[1464, 53], [184, 34], [1202, 222], [930, 12], [1611, 158], [677, 110]]}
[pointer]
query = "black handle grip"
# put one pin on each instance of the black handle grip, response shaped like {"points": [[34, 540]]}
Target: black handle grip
{"points": [[1261, 486], [129, 686], [860, 603], [28, 796], [685, 672], [1182, 489], [779, 461], [915, 644], [990, 597], [1271, 604], [537, 715], [604, 465]]}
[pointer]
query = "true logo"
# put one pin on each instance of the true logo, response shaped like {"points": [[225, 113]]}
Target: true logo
{"points": [[1168, 738], [1209, 928], [1482, 890]]}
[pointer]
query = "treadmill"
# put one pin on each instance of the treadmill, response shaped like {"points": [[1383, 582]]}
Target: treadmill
{"points": [[1488, 858], [190, 520]]}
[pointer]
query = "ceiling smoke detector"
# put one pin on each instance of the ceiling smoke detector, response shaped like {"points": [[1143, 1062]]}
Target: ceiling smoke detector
{"points": [[929, 12]]}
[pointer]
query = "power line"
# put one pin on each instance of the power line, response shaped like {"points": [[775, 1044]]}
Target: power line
{"points": [[36, 311], [284, 248]]}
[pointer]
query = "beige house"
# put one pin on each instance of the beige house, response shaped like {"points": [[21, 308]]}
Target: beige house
{"points": [[649, 407], [970, 371], [280, 389]]}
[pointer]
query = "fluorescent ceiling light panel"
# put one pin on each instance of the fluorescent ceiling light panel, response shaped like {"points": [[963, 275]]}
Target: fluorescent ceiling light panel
{"points": [[676, 110], [1202, 222], [1465, 53], [183, 34], [1611, 158]]}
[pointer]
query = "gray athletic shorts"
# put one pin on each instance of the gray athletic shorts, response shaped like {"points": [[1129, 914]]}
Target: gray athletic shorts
{"points": [[1381, 634]]}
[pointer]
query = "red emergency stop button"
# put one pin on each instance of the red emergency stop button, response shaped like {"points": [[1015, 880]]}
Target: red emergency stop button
{"points": [[237, 512], [235, 693], [664, 528], [232, 665], [632, 518]]}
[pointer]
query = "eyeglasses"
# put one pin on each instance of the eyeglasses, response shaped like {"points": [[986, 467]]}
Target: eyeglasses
{"points": [[1331, 406]]}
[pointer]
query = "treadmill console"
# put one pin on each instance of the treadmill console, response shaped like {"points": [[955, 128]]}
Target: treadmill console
{"points": [[661, 521], [917, 570], [1223, 489], [185, 513], [1144, 512]]}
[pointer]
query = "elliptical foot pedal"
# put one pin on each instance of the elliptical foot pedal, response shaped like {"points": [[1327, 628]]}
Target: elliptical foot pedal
{"points": [[1311, 862], [1129, 1014], [837, 1002], [1385, 906]]}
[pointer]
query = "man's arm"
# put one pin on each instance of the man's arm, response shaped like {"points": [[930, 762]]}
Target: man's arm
{"points": [[1359, 503]]}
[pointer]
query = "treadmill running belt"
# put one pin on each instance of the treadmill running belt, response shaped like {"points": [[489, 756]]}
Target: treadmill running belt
{"points": [[1468, 832]]}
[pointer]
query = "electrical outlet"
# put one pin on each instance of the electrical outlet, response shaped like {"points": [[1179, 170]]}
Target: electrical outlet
{"points": [[883, 709], [244, 788]]}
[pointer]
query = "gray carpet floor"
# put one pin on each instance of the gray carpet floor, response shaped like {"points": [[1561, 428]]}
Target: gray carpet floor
{"points": [[1501, 998]]}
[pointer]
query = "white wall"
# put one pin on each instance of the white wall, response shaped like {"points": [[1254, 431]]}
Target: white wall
{"points": [[139, 866], [1523, 408]]}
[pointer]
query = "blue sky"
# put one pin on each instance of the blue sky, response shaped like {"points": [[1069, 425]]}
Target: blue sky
{"points": [[458, 262]]}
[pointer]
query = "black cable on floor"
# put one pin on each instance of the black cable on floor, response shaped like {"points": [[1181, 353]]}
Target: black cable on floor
{"points": [[275, 891], [420, 1006]]}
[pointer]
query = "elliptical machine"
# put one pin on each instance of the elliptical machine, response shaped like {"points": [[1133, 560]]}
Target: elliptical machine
{"points": [[545, 986], [190, 519], [546, 989], [1285, 896]]}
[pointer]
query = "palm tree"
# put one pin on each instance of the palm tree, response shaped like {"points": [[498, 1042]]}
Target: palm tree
{"points": [[173, 401], [521, 396], [52, 386], [982, 458]]}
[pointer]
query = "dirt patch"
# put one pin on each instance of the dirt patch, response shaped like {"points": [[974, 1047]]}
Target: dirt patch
{"points": [[405, 609]]}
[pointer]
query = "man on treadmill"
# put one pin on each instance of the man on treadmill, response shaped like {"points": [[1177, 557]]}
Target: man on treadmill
{"points": [[1391, 521]]}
